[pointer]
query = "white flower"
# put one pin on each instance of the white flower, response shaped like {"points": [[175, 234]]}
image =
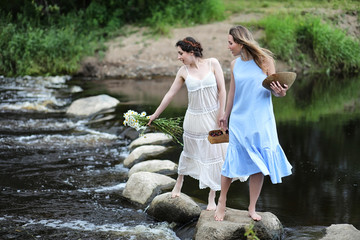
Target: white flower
{"points": [[131, 121]]}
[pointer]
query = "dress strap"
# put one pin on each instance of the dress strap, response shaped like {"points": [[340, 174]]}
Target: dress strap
{"points": [[211, 70], [187, 70]]}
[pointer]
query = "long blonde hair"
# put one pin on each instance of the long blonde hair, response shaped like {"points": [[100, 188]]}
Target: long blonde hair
{"points": [[243, 36]]}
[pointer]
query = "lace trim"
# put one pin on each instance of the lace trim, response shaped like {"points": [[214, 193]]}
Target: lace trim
{"points": [[203, 86], [195, 136], [203, 110], [210, 161]]}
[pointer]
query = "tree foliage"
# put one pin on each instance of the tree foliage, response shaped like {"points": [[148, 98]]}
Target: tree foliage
{"points": [[42, 37]]}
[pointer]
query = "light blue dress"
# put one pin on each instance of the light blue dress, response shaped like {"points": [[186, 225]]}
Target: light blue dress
{"points": [[253, 141]]}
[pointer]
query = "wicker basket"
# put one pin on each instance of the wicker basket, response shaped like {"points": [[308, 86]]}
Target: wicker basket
{"points": [[218, 136]]}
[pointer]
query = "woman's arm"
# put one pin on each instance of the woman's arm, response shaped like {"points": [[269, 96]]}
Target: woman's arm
{"points": [[219, 76], [276, 88], [174, 89], [230, 100]]}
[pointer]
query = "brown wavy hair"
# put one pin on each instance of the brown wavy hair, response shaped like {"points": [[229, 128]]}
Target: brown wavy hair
{"points": [[243, 36]]}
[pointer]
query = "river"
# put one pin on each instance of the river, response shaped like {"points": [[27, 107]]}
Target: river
{"points": [[62, 177]]}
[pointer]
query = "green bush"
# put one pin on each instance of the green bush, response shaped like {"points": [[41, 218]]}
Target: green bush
{"points": [[332, 47], [165, 14], [26, 50], [291, 37], [39, 39], [281, 35]]}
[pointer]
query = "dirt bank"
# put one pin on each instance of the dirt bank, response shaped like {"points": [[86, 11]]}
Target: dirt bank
{"points": [[141, 56]]}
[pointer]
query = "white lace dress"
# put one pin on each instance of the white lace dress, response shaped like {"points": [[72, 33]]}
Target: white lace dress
{"points": [[200, 159]]}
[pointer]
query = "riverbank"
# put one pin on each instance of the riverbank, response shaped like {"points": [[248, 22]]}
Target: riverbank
{"points": [[145, 57], [140, 55]]}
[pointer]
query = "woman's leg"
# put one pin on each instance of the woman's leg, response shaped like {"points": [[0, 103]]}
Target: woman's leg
{"points": [[211, 201], [220, 209], [256, 182], [178, 185]]}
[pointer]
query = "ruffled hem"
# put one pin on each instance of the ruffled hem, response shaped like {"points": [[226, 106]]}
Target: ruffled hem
{"points": [[242, 162], [202, 160], [208, 175]]}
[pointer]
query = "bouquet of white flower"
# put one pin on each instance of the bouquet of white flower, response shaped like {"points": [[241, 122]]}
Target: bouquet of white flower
{"points": [[169, 126]]}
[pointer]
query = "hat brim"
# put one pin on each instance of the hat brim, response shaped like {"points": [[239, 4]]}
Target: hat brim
{"points": [[287, 78]]}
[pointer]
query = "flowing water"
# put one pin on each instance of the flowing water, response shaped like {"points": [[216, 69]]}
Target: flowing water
{"points": [[61, 177]]}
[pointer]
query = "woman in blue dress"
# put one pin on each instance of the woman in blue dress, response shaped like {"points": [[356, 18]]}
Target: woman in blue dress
{"points": [[254, 148]]}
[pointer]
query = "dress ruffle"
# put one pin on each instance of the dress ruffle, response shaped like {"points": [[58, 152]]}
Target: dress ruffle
{"points": [[254, 160]]}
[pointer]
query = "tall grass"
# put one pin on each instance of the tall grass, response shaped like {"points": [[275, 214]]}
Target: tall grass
{"points": [[271, 6], [332, 47], [167, 14], [311, 41], [28, 50], [281, 35]]}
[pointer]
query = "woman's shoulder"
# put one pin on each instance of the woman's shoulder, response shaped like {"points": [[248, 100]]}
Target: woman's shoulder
{"points": [[182, 72], [212, 60], [234, 61], [182, 69]]}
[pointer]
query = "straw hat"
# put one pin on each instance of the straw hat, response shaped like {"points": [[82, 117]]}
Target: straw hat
{"points": [[287, 78]]}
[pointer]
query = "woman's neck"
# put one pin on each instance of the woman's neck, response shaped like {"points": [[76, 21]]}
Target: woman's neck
{"points": [[196, 63], [245, 55]]}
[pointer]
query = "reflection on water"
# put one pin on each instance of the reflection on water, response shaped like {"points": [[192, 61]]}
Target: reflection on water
{"points": [[145, 91], [312, 97], [62, 177]]}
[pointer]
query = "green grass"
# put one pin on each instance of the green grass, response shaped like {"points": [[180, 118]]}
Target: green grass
{"points": [[179, 13], [34, 42], [26, 50], [273, 6], [309, 40]]}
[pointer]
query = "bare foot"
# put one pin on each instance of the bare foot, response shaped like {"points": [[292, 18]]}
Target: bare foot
{"points": [[254, 216], [174, 195], [211, 206], [220, 211], [177, 188], [211, 201], [176, 192]]}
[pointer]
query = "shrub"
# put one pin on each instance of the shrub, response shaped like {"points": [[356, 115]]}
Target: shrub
{"points": [[281, 35], [182, 12], [290, 37], [38, 39], [41, 51]]}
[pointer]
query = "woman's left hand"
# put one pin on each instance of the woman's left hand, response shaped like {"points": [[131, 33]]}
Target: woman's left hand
{"points": [[278, 89], [222, 121]]}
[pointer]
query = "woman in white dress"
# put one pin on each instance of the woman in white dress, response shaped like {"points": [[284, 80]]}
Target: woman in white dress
{"points": [[205, 83]]}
